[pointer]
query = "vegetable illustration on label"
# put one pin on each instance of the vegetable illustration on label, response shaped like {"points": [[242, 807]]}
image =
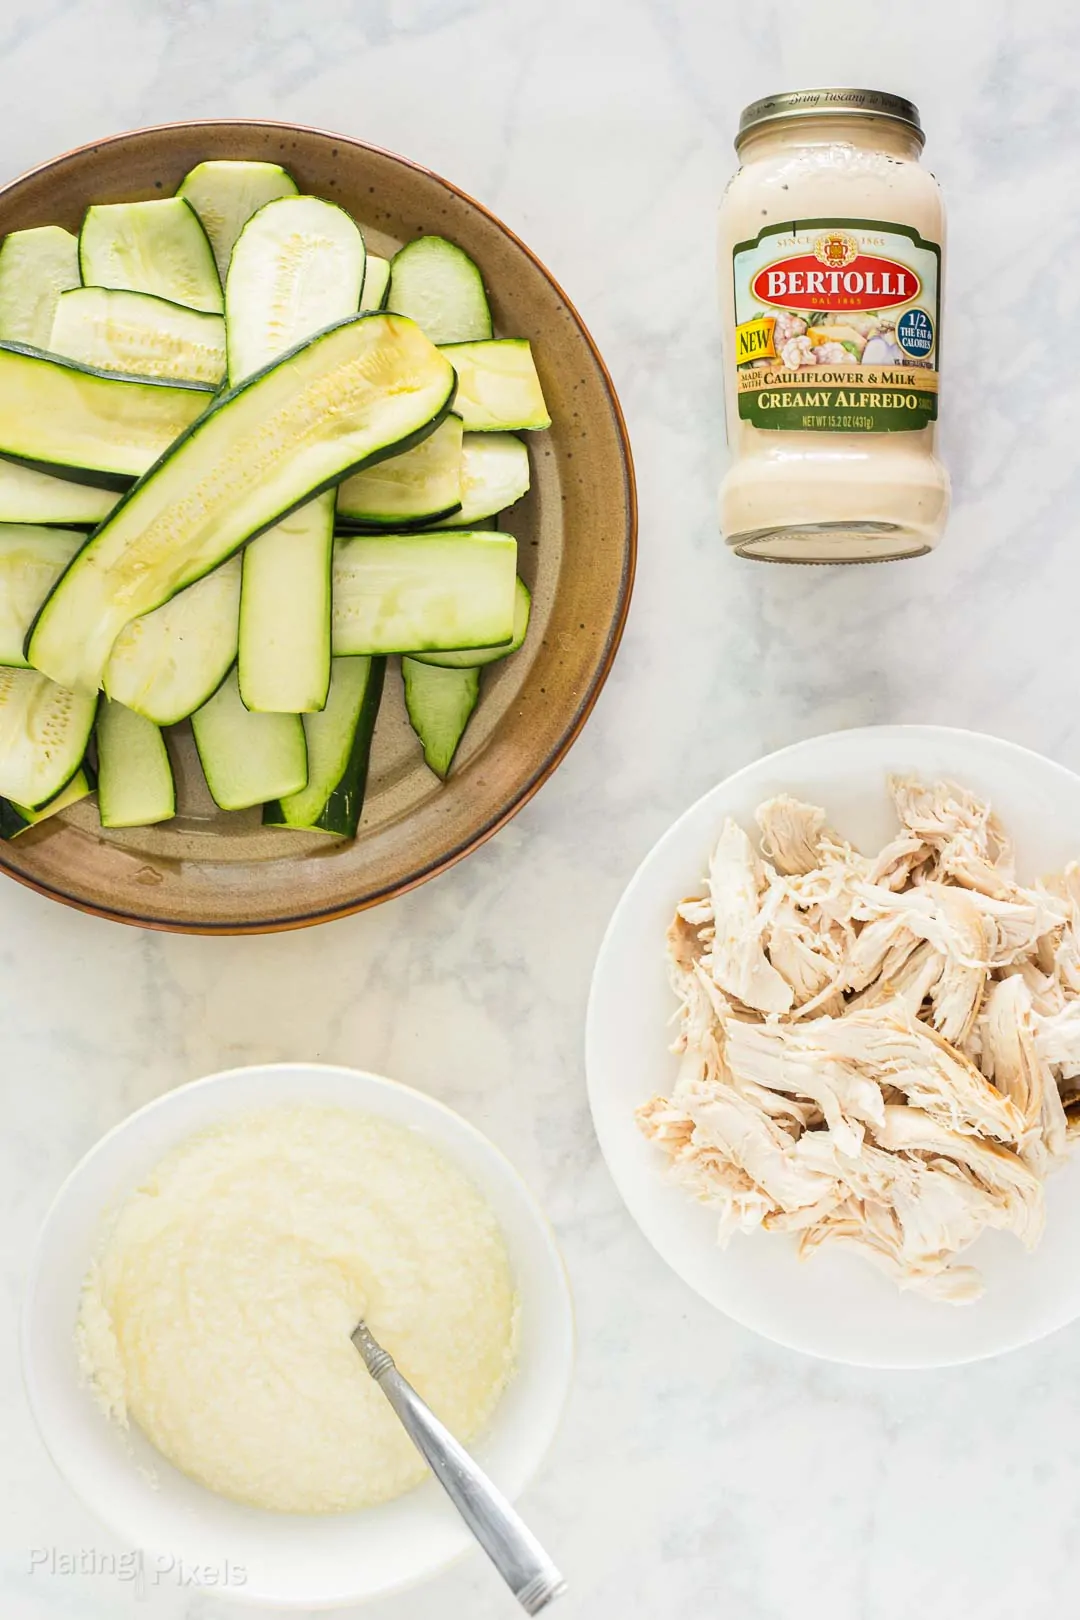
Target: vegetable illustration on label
{"points": [[836, 327]]}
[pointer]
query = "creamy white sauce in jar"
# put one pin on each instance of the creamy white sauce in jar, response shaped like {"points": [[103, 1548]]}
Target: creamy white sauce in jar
{"points": [[218, 1312], [831, 239]]}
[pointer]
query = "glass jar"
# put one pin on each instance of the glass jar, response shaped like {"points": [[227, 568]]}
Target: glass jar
{"points": [[831, 237]]}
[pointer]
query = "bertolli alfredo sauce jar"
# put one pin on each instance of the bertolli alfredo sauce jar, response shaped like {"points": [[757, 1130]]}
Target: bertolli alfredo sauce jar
{"points": [[831, 238]]}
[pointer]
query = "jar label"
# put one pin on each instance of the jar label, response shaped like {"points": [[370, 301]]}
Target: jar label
{"points": [[837, 327]]}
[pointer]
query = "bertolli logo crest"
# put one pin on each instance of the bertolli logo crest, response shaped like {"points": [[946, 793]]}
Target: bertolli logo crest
{"points": [[836, 249]]}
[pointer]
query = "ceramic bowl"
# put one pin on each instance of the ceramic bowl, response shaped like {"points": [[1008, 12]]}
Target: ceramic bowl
{"points": [[833, 1305], [206, 872], [283, 1560]]}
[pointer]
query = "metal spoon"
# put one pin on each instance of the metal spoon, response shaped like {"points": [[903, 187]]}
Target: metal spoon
{"points": [[512, 1548]]}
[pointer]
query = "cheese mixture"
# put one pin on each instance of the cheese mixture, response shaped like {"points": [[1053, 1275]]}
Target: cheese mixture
{"points": [[218, 1313]]}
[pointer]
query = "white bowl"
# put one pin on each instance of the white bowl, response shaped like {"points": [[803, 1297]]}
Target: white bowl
{"points": [[284, 1560], [834, 1305]]}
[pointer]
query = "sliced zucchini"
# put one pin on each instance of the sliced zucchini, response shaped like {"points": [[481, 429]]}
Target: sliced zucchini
{"points": [[422, 484], [376, 282], [338, 750], [156, 247], [30, 496], [409, 593], [16, 819], [44, 730], [168, 663], [137, 333], [248, 758], [494, 474], [31, 561], [92, 426], [225, 194], [36, 266], [298, 264], [439, 703], [498, 388], [439, 286], [358, 391], [135, 779], [475, 657], [284, 662]]}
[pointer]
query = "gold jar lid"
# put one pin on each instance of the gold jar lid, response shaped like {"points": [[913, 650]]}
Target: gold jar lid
{"points": [[792, 104]]}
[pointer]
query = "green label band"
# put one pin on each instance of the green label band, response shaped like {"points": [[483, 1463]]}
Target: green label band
{"points": [[839, 410]]}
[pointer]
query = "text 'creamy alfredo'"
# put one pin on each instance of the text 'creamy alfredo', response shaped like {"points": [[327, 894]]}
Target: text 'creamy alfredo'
{"points": [[831, 243], [217, 1316]]}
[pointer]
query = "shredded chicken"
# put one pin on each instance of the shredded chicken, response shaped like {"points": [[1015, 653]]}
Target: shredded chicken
{"points": [[879, 1053], [736, 957], [1015, 1063], [792, 834]]}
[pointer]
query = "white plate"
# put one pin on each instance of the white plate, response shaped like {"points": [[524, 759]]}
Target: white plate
{"points": [[280, 1559], [833, 1305]]}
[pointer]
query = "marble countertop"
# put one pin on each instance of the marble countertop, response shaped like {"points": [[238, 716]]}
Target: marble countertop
{"points": [[700, 1472]]}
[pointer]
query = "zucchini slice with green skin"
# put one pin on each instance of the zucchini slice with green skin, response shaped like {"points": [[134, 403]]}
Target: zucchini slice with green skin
{"points": [[135, 779], [338, 751], [298, 264], [494, 474], [498, 388], [226, 193], [422, 484], [15, 819], [438, 285], [476, 657], [156, 247], [440, 703], [138, 334], [414, 593], [95, 427], [44, 730], [247, 758], [31, 561], [284, 648], [376, 282], [30, 496], [168, 663], [360, 390], [35, 268]]}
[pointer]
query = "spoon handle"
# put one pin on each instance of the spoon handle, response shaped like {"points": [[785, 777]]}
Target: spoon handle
{"points": [[512, 1548]]}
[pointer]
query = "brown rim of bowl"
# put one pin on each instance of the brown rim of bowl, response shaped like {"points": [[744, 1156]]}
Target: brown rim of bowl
{"points": [[589, 698]]}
